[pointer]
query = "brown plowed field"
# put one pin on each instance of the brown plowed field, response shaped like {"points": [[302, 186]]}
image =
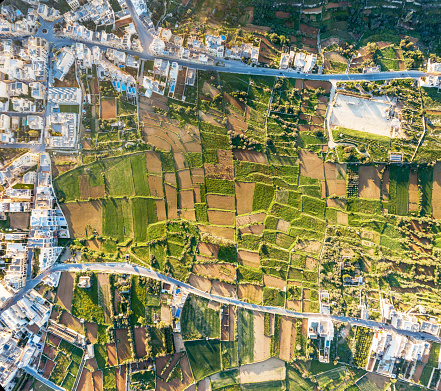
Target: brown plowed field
{"points": [[111, 354], [314, 84], [140, 341], [50, 351], [248, 258], [85, 383], [262, 343], [123, 346], [121, 378], [53, 339], [184, 179], [211, 250], [250, 156], [91, 331], [221, 202], [188, 214], [218, 171], [220, 288], [413, 192], [253, 293], [220, 232], [172, 202], [108, 108], [153, 162], [170, 177], [244, 197], [48, 368], [223, 271], [186, 199], [176, 384], [219, 217], [180, 162], [201, 283], [234, 102], [283, 225], [64, 296], [97, 380], [160, 210], [82, 214], [155, 186], [72, 322], [87, 191], [436, 190], [273, 282], [197, 175], [369, 182]]}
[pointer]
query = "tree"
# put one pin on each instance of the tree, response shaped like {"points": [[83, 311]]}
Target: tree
{"points": [[371, 47]]}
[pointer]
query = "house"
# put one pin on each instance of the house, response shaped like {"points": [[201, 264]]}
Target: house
{"points": [[84, 282], [17, 88], [433, 67], [35, 122], [63, 63], [164, 34], [322, 329], [157, 47], [5, 122], [38, 90], [430, 326], [74, 4], [23, 105]]}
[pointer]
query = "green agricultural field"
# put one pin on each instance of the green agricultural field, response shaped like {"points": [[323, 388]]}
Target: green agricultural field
{"points": [[109, 379], [138, 299], [198, 321], [85, 304], [204, 357], [245, 327]]}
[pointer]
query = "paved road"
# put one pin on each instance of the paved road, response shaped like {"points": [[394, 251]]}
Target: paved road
{"points": [[43, 380], [227, 65], [138, 270]]}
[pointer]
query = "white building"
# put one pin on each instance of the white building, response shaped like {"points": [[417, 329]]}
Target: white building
{"points": [[322, 328], [63, 63]]}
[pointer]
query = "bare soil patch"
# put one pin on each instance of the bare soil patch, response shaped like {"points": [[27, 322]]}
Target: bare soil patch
{"points": [[201, 283], [413, 192], [418, 372], [295, 305], [176, 384], [336, 203], [198, 175], [283, 225], [273, 282], [262, 343], [286, 324], [220, 217], [165, 314], [221, 232], [91, 331], [170, 178], [255, 229], [248, 258], [219, 171], [314, 84], [82, 214], [250, 292], [236, 124], [272, 369], [160, 210], [436, 200], [53, 339], [385, 184], [223, 271], [250, 219], [220, 288], [234, 102], [65, 294], [369, 182], [19, 220], [282, 15], [108, 108], [309, 246], [250, 156], [104, 287], [244, 197]]}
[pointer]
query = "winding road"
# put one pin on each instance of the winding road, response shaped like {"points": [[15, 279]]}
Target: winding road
{"points": [[142, 271]]}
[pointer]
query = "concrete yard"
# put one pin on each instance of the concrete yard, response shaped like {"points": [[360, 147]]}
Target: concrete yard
{"points": [[365, 115]]}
